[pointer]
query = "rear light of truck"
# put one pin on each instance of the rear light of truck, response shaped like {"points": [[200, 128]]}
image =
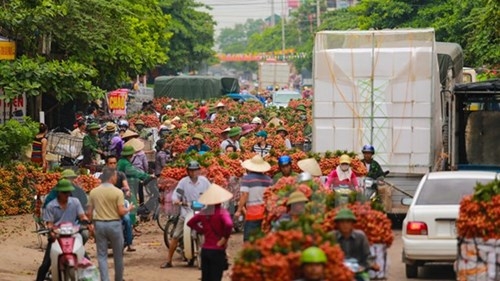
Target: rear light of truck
{"points": [[416, 228]]}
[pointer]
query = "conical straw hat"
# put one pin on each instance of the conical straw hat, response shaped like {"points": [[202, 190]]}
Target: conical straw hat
{"points": [[137, 144], [311, 166], [215, 194], [256, 164]]}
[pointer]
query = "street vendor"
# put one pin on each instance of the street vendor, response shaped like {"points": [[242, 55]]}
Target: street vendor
{"points": [[274, 121], [284, 134], [107, 136], [262, 147], [140, 127], [233, 137], [313, 262], [353, 242], [133, 174], [198, 144], [285, 166], [295, 206], [220, 107], [90, 149]]}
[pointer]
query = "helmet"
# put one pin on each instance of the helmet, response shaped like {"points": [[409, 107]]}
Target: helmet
{"points": [[368, 148], [313, 255], [203, 102], [232, 119], [345, 159], [168, 107], [123, 123], [193, 165], [284, 160]]}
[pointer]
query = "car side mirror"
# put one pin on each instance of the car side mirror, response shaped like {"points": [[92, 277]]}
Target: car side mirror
{"points": [[406, 201]]}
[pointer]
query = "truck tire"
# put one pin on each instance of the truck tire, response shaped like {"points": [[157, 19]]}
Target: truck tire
{"points": [[411, 270]]}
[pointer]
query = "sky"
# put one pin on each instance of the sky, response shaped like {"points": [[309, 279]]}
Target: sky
{"points": [[227, 13]]}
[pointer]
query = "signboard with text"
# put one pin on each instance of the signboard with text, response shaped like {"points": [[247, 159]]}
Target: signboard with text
{"points": [[14, 109], [117, 102]]}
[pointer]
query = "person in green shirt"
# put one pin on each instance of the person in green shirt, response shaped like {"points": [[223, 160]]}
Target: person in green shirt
{"points": [[90, 147], [285, 165], [133, 174]]}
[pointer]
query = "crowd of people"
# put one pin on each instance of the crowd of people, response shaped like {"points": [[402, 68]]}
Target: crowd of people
{"points": [[126, 169]]}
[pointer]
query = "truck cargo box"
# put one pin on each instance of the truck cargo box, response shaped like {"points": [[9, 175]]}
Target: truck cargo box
{"points": [[380, 88]]}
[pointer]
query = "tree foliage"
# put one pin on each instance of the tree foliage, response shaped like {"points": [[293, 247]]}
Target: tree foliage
{"points": [[193, 35], [14, 137], [69, 48], [475, 25]]}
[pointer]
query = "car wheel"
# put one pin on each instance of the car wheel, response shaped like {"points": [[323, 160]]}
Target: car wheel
{"points": [[411, 271]]}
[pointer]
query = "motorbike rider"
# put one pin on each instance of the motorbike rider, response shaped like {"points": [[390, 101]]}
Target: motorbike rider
{"points": [[343, 174], [192, 185], [63, 209], [373, 167], [353, 242], [285, 166], [313, 261], [295, 205]]}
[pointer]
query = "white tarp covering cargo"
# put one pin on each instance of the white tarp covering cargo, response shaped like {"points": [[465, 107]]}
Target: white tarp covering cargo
{"points": [[380, 88]]}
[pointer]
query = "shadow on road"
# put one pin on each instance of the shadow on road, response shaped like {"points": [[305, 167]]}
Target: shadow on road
{"points": [[436, 272]]}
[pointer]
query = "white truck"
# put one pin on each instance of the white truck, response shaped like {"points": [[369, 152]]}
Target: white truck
{"points": [[384, 88], [275, 74]]}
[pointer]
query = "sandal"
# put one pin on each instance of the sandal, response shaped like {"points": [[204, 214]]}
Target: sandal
{"points": [[130, 249], [166, 265]]}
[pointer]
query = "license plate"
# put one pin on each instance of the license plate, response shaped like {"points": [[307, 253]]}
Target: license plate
{"points": [[453, 228]]}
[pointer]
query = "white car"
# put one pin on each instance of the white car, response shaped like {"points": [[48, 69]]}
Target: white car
{"points": [[283, 97], [429, 231]]}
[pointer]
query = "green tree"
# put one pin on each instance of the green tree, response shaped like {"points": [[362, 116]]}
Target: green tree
{"points": [[101, 41], [193, 35]]}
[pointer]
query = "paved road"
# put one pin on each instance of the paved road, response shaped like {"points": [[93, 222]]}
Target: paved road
{"points": [[397, 268]]}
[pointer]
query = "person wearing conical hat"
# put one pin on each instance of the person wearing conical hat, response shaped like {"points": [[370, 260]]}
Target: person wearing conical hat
{"points": [[233, 137], [252, 188], [343, 174], [220, 107], [140, 161], [274, 121], [198, 144], [62, 209], [107, 136], [295, 206], [216, 225], [311, 166]]}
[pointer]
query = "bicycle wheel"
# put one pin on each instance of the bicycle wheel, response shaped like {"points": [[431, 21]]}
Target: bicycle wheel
{"points": [[161, 217], [168, 231]]}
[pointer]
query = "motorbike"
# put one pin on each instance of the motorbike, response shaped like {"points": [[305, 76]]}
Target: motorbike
{"points": [[191, 240], [371, 185], [66, 252], [360, 273]]}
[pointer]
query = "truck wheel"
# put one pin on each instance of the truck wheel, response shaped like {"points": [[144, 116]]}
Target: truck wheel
{"points": [[411, 271]]}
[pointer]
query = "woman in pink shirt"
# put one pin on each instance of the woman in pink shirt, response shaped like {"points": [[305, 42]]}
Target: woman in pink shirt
{"points": [[343, 174], [215, 223]]}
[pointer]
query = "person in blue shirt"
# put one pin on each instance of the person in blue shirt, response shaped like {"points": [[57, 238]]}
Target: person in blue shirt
{"points": [[198, 144], [77, 192]]}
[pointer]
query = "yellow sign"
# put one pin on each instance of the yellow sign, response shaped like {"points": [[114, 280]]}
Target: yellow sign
{"points": [[7, 50]]}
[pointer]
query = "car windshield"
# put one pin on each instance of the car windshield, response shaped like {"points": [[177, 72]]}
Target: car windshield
{"points": [[447, 191], [285, 98]]}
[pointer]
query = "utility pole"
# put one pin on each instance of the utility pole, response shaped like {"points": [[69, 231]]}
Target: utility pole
{"points": [[272, 13], [283, 29], [318, 13]]}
